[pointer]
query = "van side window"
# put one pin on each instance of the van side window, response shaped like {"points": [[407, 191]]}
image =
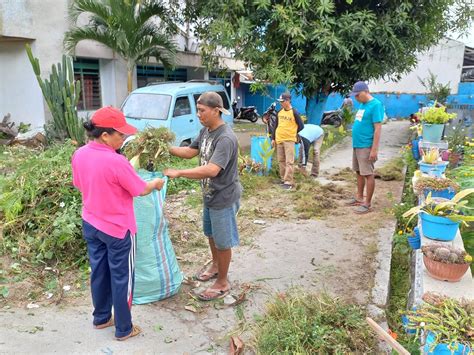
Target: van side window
{"points": [[182, 107], [223, 95]]}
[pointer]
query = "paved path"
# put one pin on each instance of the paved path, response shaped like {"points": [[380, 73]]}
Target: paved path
{"points": [[336, 255]]}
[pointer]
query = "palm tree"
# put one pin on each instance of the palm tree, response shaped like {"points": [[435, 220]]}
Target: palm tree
{"points": [[135, 29]]}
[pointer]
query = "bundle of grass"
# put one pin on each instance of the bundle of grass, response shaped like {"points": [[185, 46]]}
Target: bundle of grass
{"points": [[149, 149], [393, 170]]}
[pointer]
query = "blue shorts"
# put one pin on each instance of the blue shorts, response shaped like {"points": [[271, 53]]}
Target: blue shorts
{"points": [[221, 225]]}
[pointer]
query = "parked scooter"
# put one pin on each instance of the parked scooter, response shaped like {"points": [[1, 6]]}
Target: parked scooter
{"points": [[333, 118], [270, 118], [245, 113]]}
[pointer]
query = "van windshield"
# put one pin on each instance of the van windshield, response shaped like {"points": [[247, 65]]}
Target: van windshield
{"points": [[147, 106]]}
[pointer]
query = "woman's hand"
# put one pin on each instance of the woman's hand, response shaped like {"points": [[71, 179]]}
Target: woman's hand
{"points": [[158, 183]]}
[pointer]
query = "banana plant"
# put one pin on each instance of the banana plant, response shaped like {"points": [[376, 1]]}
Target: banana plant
{"points": [[450, 208]]}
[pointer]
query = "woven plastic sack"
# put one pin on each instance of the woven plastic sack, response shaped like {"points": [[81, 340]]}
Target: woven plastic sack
{"points": [[157, 273]]}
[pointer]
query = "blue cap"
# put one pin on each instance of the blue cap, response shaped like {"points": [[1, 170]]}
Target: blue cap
{"points": [[358, 87]]}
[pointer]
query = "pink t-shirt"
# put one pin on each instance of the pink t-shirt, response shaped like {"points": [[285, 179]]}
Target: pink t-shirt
{"points": [[108, 184]]}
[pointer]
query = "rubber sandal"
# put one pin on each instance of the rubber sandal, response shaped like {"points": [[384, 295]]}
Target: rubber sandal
{"points": [[107, 324], [135, 331], [217, 294], [204, 276], [362, 209], [353, 202]]}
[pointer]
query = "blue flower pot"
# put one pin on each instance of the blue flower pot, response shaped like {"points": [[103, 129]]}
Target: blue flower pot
{"points": [[436, 170], [406, 325], [415, 241], [448, 193], [432, 133], [438, 228], [415, 149], [443, 349]]}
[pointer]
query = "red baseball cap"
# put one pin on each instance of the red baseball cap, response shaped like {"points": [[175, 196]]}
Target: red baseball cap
{"points": [[110, 117]]}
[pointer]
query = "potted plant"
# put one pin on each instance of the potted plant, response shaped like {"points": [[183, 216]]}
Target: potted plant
{"points": [[433, 120], [438, 187], [414, 239], [440, 218], [445, 262], [456, 139], [447, 324], [431, 163]]}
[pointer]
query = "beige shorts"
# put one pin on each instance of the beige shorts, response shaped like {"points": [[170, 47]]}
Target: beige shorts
{"points": [[361, 163]]}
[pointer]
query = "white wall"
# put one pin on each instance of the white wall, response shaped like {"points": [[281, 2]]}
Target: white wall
{"points": [[20, 94], [444, 60]]}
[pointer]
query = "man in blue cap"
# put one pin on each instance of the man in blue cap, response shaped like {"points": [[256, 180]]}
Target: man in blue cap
{"points": [[365, 142]]}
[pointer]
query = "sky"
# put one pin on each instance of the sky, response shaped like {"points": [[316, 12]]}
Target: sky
{"points": [[468, 40]]}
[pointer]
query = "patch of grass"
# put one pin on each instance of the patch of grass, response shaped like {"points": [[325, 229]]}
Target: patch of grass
{"points": [[346, 174], [296, 322], [392, 170], [249, 127]]}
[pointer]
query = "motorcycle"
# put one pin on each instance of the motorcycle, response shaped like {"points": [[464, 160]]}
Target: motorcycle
{"points": [[269, 117], [245, 113], [333, 118]]}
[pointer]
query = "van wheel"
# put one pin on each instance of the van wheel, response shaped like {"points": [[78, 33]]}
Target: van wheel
{"points": [[185, 143]]}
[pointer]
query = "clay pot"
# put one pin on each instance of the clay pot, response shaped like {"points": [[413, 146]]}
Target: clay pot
{"points": [[445, 272], [454, 159]]}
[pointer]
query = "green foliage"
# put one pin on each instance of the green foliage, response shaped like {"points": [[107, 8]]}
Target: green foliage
{"points": [[299, 323], [135, 29], [436, 91], [61, 92], [436, 115], [324, 45], [456, 138], [182, 184], [150, 149], [348, 116], [41, 210], [450, 320]]}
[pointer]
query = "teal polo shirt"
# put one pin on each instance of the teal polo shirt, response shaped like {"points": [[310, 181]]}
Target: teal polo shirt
{"points": [[363, 129]]}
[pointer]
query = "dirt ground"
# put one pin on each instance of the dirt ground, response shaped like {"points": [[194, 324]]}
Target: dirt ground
{"points": [[335, 254]]}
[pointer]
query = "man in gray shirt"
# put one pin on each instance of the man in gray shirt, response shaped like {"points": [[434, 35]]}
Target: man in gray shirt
{"points": [[218, 154]]}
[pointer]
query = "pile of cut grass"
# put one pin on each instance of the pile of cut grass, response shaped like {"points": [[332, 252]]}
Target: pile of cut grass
{"points": [[297, 322], [392, 170]]}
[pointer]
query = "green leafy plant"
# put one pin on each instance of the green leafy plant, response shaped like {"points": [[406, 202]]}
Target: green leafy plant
{"points": [[456, 139], [436, 91], [451, 321], [436, 115], [348, 116], [248, 165], [150, 149], [40, 210], [61, 92], [445, 208], [265, 153]]}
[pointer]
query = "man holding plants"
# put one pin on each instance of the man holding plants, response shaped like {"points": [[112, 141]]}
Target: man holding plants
{"points": [[218, 152], [365, 142]]}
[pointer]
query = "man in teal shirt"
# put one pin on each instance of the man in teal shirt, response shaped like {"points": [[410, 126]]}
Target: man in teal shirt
{"points": [[365, 142]]}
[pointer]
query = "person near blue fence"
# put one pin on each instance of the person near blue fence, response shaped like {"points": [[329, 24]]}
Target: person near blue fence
{"points": [[366, 133], [285, 136], [310, 135], [108, 184], [217, 147]]}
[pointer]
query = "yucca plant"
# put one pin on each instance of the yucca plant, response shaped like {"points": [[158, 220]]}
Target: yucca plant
{"points": [[266, 153], [445, 208]]}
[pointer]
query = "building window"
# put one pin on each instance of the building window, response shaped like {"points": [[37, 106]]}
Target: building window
{"points": [[147, 74], [87, 71]]}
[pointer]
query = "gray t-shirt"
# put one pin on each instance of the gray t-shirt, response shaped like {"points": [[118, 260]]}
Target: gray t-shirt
{"points": [[219, 147]]}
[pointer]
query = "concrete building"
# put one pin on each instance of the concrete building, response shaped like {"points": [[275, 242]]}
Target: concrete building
{"points": [[103, 74]]}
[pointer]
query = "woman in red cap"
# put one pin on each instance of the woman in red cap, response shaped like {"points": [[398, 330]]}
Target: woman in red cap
{"points": [[108, 184]]}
